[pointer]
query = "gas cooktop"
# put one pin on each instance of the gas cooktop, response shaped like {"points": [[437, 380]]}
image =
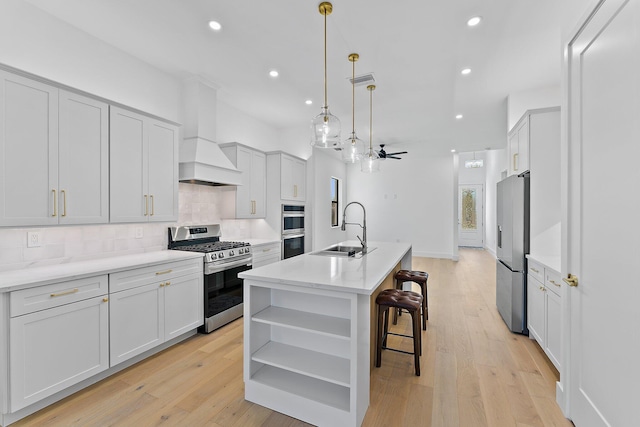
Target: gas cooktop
{"points": [[206, 239]]}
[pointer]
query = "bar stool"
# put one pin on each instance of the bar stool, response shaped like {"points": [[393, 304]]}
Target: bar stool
{"points": [[419, 277], [398, 299]]}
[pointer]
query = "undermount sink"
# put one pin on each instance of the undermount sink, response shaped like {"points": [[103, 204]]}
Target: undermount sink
{"points": [[342, 250]]}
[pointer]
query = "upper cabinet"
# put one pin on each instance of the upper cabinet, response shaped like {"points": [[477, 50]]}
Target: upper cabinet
{"points": [[250, 197], [518, 147], [292, 176], [53, 155], [143, 168]]}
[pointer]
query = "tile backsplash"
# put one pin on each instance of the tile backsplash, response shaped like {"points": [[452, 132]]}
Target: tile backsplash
{"points": [[198, 204]]}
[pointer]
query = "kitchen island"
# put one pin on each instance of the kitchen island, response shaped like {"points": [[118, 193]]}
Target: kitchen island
{"points": [[308, 335]]}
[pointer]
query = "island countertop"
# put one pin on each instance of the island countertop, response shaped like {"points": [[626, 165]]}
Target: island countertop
{"points": [[360, 274]]}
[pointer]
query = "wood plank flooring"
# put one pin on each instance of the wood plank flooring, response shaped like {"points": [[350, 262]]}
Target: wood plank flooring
{"points": [[474, 372]]}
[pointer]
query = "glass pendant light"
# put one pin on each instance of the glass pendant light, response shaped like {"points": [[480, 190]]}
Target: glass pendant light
{"points": [[325, 127], [353, 147], [370, 160]]}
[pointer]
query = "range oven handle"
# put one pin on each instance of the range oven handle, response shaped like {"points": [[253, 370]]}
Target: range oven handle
{"points": [[226, 266]]}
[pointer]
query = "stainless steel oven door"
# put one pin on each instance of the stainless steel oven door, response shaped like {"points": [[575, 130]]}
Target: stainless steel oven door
{"points": [[292, 245], [223, 293], [292, 219]]}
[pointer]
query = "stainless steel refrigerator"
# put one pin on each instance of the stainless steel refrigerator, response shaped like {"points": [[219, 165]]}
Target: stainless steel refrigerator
{"points": [[512, 246]]}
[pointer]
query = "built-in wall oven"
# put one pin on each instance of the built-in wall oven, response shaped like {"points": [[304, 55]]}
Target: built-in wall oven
{"points": [[223, 261], [292, 230]]}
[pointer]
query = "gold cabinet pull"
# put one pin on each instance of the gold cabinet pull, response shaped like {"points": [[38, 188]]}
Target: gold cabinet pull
{"points": [[533, 269], [162, 285], [295, 190], [515, 158], [266, 250], [542, 288], [571, 280], [105, 299], [554, 282], [167, 284], [153, 209], [158, 273], [63, 194], [69, 292], [146, 205], [55, 203]]}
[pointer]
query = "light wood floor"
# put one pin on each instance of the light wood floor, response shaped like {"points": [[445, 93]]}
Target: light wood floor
{"points": [[474, 372]]}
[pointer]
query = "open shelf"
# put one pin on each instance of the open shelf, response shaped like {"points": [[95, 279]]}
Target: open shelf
{"points": [[322, 366], [294, 319], [310, 388]]}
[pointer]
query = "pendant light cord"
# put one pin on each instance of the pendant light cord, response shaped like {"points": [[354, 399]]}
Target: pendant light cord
{"points": [[353, 101], [325, 60], [370, 120]]}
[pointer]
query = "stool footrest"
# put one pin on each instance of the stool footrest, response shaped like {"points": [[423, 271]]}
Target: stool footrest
{"points": [[396, 350]]}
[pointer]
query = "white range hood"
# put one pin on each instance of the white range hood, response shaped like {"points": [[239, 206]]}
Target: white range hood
{"points": [[201, 160]]}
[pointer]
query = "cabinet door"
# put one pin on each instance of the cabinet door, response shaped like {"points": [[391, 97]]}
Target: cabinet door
{"points": [[299, 179], [535, 309], [259, 184], [128, 172], [83, 175], [512, 150], [28, 152], [53, 349], [163, 171], [522, 163], [244, 200], [183, 305], [553, 344], [136, 321], [286, 177]]}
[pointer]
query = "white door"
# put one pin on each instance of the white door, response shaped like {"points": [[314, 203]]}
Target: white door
{"points": [[163, 171], [600, 247], [470, 215]]}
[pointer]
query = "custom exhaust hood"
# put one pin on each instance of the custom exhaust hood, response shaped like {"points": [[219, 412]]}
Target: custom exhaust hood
{"points": [[201, 160]]}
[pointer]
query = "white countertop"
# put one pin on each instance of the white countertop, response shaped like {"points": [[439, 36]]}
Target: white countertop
{"points": [[337, 273], [37, 276], [259, 242]]}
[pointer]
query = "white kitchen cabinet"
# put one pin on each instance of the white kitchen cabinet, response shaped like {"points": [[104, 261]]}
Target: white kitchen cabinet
{"points": [[518, 148], [54, 348], [265, 254], [53, 155], [143, 168], [544, 309], [250, 197], [288, 174], [152, 305], [535, 127]]}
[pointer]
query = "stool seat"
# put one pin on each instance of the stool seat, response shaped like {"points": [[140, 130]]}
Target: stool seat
{"points": [[398, 299], [421, 278]]}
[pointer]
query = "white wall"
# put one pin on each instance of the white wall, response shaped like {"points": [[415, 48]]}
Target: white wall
{"points": [[234, 125], [409, 200], [324, 167], [496, 164], [541, 97]]}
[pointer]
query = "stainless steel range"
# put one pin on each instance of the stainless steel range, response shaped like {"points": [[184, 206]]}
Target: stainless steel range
{"points": [[223, 261]]}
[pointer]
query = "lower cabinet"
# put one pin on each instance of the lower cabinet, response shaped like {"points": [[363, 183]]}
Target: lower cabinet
{"points": [[544, 310], [160, 305], [265, 254], [54, 348]]}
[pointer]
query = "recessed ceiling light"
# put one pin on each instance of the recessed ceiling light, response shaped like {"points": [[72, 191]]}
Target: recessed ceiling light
{"points": [[273, 73], [465, 71], [453, 150], [215, 25], [308, 102], [472, 22], [459, 116]]}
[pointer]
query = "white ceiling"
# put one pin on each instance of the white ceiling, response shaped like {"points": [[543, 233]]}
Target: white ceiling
{"points": [[415, 48]]}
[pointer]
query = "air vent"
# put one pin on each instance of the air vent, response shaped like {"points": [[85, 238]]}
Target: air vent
{"points": [[364, 79]]}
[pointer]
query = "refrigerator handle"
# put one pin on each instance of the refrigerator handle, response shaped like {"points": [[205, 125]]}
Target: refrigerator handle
{"points": [[499, 236]]}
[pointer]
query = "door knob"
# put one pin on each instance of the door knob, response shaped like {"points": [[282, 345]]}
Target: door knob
{"points": [[571, 280]]}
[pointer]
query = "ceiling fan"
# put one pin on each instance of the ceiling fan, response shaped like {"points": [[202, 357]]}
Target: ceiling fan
{"points": [[384, 155]]}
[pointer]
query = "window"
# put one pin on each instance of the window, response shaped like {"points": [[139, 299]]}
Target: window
{"points": [[335, 198]]}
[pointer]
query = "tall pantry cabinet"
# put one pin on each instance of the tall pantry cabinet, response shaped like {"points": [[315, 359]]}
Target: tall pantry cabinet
{"points": [[53, 155]]}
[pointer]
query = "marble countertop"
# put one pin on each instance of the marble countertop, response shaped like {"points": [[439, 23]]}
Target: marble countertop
{"points": [[338, 273], [259, 242], [37, 276]]}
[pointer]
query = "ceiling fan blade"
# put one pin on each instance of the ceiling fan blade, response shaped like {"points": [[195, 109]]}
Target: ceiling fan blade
{"points": [[399, 152], [393, 157]]}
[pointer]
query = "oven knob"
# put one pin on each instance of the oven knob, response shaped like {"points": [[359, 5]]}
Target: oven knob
{"points": [[213, 256], [221, 255], [231, 253], [246, 250]]}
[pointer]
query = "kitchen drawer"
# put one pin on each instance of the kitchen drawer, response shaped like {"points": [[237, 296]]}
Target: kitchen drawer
{"points": [[536, 270], [265, 251], [553, 281], [42, 297], [129, 279]]}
